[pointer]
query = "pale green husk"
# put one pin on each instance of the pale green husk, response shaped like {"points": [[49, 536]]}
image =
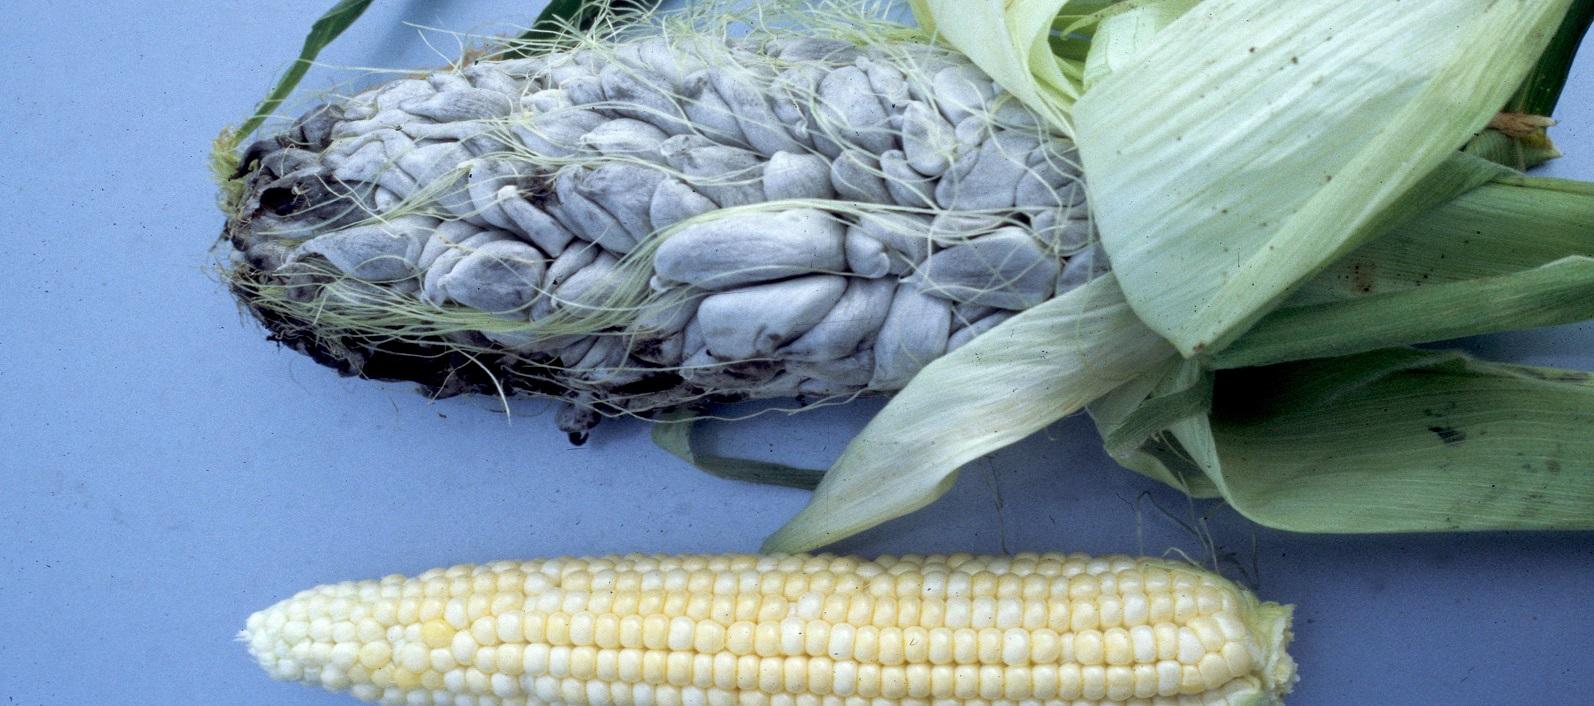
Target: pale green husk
{"points": [[1227, 167], [1012, 381], [1294, 168], [1396, 440], [1512, 254], [1009, 40]]}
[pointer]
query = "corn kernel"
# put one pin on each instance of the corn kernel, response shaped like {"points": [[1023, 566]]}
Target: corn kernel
{"points": [[725, 645]]}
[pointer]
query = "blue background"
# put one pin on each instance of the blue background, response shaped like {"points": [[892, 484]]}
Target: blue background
{"points": [[166, 471]]}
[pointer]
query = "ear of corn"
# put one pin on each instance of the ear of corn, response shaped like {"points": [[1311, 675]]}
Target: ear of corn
{"points": [[767, 630], [644, 222], [634, 225]]}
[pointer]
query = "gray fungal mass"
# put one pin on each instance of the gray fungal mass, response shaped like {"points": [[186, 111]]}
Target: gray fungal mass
{"points": [[658, 223]]}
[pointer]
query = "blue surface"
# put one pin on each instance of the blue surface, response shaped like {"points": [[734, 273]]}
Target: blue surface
{"points": [[166, 471]]}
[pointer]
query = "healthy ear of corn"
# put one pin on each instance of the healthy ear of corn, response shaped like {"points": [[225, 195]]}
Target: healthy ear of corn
{"points": [[786, 630], [642, 223]]}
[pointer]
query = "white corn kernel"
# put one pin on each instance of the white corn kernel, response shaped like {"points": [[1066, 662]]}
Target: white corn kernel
{"points": [[626, 645]]}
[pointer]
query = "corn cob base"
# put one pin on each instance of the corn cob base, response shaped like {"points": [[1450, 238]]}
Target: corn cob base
{"points": [[649, 222], [786, 631]]}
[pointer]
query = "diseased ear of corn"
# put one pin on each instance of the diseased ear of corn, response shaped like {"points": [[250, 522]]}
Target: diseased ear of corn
{"points": [[641, 223], [786, 630]]}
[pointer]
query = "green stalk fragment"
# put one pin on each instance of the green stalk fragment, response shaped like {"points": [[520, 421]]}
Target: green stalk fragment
{"points": [[676, 433]]}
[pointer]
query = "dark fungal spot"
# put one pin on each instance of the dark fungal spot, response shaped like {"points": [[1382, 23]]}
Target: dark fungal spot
{"points": [[279, 200], [1451, 436], [1364, 276]]}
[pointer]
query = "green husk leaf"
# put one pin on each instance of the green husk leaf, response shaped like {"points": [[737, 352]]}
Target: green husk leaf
{"points": [[1522, 230], [1124, 31], [1011, 41], [676, 434], [1561, 292], [1520, 153], [1394, 440], [1009, 382], [325, 29], [1134, 420], [1508, 255], [1512, 224], [1180, 395], [1538, 96], [1541, 91], [1074, 28], [1228, 167], [1403, 440], [562, 20]]}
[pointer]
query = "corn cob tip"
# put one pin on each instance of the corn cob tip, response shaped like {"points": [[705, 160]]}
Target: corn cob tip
{"points": [[1273, 624], [787, 630]]}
